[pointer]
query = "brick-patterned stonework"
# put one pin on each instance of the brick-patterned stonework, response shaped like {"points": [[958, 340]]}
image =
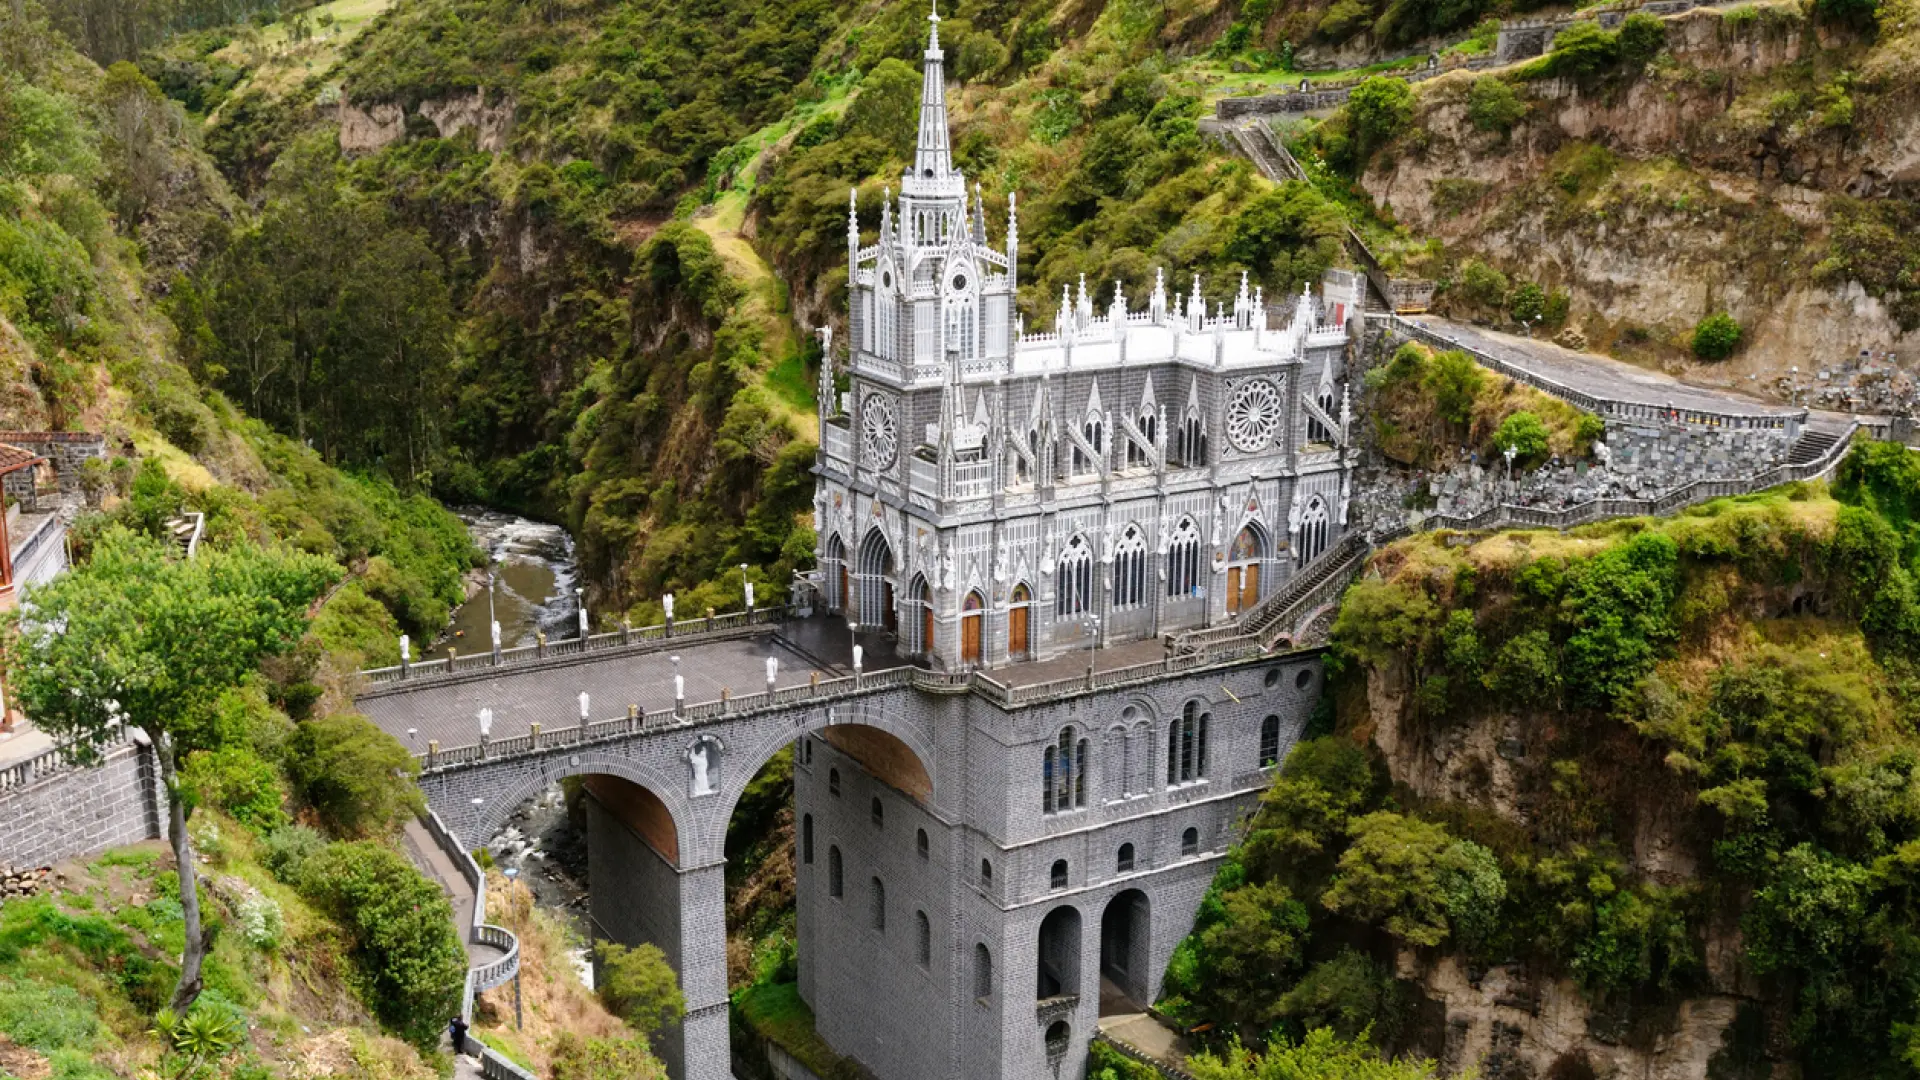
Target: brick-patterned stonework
{"points": [[66, 451], [83, 811]]}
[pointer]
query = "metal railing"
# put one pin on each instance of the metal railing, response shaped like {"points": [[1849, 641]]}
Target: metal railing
{"points": [[1134, 1053], [631, 640], [480, 932]]}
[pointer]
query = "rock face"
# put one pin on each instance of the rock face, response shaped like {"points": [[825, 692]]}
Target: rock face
{"points": [[1698, 200], [381, 124], [18, 881]]}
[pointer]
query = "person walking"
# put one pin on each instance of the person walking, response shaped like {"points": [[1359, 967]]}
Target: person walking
{"points": [[457, 1034]]}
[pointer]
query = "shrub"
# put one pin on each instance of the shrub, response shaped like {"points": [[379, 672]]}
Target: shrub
{"points": [[638, 986], [1583, 49], [1492, 104], [285, 850], [237, 781], [1380, 108], [1349, 994], [577, 1058], [1393, 875], [1716, 337], [1528, 303], [888, 105], [1641, 37], [402, 928], [1454, 380], [357, 777], [1525, 435], [1482, 285]]}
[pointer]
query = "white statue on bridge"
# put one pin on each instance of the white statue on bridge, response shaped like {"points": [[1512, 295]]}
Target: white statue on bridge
{"points": [[704, 759]]}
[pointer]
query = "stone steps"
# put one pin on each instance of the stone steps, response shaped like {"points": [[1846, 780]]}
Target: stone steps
{"points": [[1810, 446]]}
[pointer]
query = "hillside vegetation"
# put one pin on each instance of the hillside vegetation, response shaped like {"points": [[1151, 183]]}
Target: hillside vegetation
{"points": [[1659, 773]]}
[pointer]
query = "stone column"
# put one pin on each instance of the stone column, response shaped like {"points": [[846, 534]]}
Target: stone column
{"points": [[703, 972]]}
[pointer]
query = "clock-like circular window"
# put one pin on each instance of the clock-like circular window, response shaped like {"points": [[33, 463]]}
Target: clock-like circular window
{"points": [[886, 279], [880, 439], [1253, 415], [959, 282]]}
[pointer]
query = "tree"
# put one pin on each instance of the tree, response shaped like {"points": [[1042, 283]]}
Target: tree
{"points": [[358, 777], [888, 106], [1493, 105], [141, 124], [638, 985], [1716, 337], [1349, 993], [1528, 303], [1394, 875], [141, 638], [1524, 434], [576, 1058], [1481, 284], [1379, 109], [1260, 937]]}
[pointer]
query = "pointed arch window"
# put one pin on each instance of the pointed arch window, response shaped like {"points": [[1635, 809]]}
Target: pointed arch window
{"points": [[1317, 431], [1315, 525], [1139, 453], [1190, 442], [1074, 576], [1183, 561], [1270, 742], [963, 329], [1187, 746], [1063, 773], [1130, 569]]}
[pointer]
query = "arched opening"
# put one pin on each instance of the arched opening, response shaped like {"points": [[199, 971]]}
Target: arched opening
{"points": [[982, 972], [883, 756], [1315, 527], [1019, 623], [923, 940], [1184, 578], [1190, 841], [1059, 956], [972, 616], [1073, 579], [1243, 568], [1130, 569], [923, 601], [873, 583], [1125, 941], [1123, 862], [1057, 877], [1187, 745], [1270, 742]]}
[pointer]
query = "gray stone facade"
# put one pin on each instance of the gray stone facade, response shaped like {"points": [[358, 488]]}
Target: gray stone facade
{"points": [[77, 812]]}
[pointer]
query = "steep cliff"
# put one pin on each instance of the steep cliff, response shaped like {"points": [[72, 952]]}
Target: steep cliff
{"points": [[1760, 164]]}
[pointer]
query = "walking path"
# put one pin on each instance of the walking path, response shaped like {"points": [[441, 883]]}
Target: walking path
{"points": [[436, 864]]}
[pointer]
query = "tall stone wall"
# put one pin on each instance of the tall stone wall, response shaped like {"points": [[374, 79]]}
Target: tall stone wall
{"points": [[66, 451], [83, 811]]}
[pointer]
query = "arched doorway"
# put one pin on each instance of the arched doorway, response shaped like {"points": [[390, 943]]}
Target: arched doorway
{"points": [[1243, 568], [1059, 956], [873, 583], [1019, 623], [972, 615], [1125, 940]]}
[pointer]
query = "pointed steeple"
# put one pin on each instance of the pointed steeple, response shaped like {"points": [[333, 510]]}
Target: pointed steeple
{"points": [[933, 158]]}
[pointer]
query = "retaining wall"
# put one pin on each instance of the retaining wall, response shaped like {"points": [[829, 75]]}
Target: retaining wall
{"points": [[79, 812]]}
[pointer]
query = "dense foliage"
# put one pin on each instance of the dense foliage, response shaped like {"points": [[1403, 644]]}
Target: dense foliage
{"points": [[1672, 667]]}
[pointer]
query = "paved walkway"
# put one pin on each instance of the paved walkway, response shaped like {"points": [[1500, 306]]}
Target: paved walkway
{"points": [[1147, 1035], [1601, 376], [23, 742]]}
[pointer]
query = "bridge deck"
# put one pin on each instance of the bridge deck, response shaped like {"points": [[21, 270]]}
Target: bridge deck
{"points": [[549, 695]]}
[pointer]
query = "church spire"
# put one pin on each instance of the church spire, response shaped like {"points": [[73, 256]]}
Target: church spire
{"points": [[933, 159]]}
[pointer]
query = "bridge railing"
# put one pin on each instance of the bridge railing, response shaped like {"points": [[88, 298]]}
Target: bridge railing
{"points": [[634, 639]]}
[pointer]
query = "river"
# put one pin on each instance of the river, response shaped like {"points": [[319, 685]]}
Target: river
{"points": [[534, 576]]}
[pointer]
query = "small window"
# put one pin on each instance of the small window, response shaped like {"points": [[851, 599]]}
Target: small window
{"points": [[833, 782], [986, 874], [836, 886], [1269, 742], [1273, 678], [879, 914], [879, 813], [924, 929], [982, 972], [1124, 863], [806, 839], [920, 842], [1058, 878], [1190, 842], [1304, 679]]}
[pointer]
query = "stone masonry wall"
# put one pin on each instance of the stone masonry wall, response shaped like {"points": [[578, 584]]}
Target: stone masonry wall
{"points": [[66, 451], [83, 811]]}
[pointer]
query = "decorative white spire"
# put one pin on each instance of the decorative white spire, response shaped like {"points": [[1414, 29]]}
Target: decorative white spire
{"points": [[1157, 304], [933, 158]]}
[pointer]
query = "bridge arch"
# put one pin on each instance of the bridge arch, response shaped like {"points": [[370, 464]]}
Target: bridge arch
{"points": [[910, 769], [670, 797]]}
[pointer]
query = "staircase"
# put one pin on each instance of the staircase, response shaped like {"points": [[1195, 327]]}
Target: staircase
{"points": [[1275, 617], [186, 531], [1811, 446]]}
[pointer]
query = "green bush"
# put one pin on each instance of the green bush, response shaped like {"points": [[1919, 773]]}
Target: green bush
{"points": [[1583, 49], [357, 777], [1525, 435], [1716, 337], [1528, 303], [1641, 37], [1379, 109], [1393, 874], [1481, 285], [413, 964], [1493, 106], [1349, 994], [1454, 380], [638, 986], [236, 780], [286, 850]]}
